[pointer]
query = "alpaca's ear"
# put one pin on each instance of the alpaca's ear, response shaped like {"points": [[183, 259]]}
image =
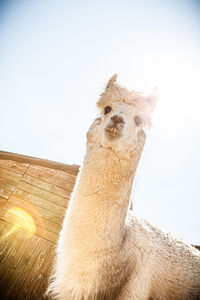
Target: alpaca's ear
{"points": [[150, 101], [105, 96], [111, 81]]}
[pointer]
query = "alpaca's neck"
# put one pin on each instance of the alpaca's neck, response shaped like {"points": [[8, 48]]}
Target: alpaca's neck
{"points": [[99, 205]]}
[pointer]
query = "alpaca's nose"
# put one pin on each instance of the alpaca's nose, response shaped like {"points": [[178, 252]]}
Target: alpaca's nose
{"points": [[117, 119], [115, 126]]}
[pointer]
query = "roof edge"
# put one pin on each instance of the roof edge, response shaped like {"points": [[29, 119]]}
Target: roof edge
{"points": [[39, 161]]}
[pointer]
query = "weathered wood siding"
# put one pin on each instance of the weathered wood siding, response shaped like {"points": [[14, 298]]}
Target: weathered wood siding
{"points": [[42, 189]]}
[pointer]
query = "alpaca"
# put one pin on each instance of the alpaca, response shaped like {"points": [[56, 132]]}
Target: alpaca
{"points": [[104, 251]]}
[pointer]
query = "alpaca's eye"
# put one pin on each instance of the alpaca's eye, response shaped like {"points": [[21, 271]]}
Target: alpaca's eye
{"points": [[138, 121], [107, 109]]}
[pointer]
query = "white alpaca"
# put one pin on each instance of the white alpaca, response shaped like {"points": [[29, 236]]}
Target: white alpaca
{"points": [[104, 252]]}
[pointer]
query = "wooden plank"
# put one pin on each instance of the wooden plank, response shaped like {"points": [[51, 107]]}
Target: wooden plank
{"points": [[14, 219], [53, 173], [38, 201], [43, 232], [23, 268], [31, 280], [7, 239], [44, 228], [12, 177], [2, 202], [40, 283], [36, 212], [10, 256], [49, 231], [31, 268], [4, 229], [46, 186], [5, 188], [52, 198], [2, 224], [15, 257], [13, 166], [48, 235], [59, 178]]}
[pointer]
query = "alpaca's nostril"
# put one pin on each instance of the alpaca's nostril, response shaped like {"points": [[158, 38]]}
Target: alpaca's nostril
{"points": [[114, 127], [117, 119]]}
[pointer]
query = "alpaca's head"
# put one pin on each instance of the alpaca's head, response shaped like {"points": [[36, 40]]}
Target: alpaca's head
{"points": [[123, 115]]}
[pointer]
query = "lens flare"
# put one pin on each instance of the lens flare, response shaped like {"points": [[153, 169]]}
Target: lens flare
{"points": [[3, 237], [20, 219]]}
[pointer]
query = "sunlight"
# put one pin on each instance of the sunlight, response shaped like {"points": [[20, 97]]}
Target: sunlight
{"points": [[177, 81], [3, 237], [21, 219]]}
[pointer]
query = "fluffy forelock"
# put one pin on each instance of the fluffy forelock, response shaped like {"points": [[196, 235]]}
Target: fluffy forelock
{"points": [[118, 93]]}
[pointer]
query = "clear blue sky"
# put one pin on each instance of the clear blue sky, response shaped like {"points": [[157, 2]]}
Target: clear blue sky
{"points": [[55, 58]]}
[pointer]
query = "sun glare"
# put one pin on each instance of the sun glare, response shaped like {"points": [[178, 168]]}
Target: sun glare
{"points": [[20, 219], [177, 81]]}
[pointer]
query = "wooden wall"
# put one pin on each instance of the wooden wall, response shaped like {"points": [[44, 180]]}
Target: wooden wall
{"points": [[36, 191]]}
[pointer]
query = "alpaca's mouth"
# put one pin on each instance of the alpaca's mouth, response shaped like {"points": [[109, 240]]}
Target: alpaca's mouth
{"points": [[112, 132]]}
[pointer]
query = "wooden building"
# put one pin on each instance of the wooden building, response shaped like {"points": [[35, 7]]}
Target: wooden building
{"points": [[34, 195]]}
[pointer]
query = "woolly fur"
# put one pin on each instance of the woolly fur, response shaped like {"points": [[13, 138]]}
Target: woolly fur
{"points": [[104, 251]]}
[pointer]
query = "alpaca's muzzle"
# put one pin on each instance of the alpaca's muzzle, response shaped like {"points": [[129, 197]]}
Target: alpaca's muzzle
{"points": [[115, 126]]}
